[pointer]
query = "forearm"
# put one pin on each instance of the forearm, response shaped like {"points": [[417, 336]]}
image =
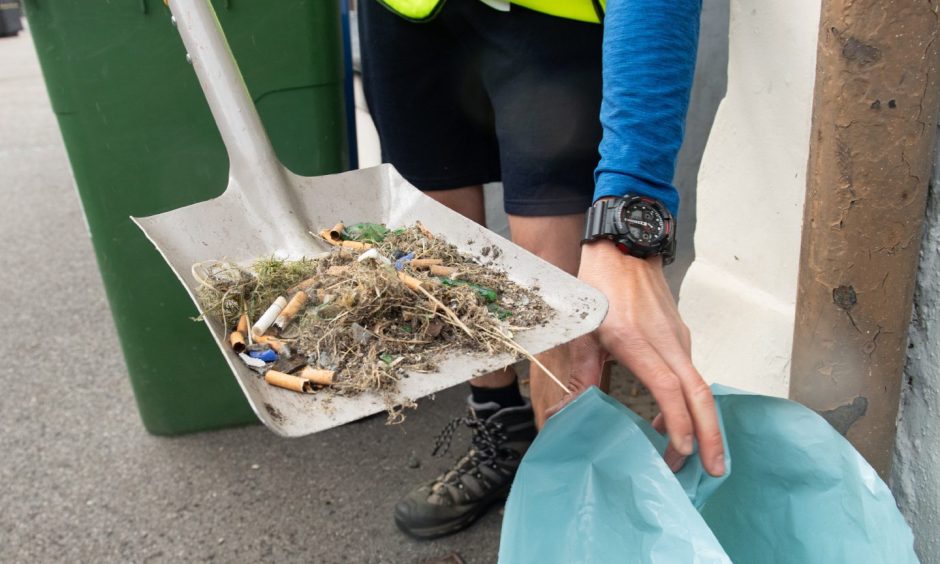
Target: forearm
{"points": [[649, 62]]}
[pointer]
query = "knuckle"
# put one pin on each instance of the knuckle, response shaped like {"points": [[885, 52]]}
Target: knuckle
{"points": [[701, 393], [665, 383]]}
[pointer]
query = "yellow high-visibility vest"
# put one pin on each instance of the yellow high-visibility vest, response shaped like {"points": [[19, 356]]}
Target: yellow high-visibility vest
{"points": [[581, 10]]}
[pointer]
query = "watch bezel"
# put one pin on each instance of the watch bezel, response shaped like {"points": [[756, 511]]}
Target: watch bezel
{"points": [[624, 230]]}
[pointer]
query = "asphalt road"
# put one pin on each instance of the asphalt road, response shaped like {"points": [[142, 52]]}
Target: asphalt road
{"points": [[82, 481]]}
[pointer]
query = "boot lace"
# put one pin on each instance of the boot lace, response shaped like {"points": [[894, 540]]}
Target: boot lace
{"points": [[487, 437], [487, 441]]}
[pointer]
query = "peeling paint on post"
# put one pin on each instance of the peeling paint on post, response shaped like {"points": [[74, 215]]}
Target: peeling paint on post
{"points": [[875, 104], [843, 417]]}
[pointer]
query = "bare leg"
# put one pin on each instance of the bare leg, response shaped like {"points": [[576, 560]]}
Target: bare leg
{"points": [[556, 239], [468, 201]]}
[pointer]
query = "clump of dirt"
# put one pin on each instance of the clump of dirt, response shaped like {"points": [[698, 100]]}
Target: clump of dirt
{"points": [[381, 304]]}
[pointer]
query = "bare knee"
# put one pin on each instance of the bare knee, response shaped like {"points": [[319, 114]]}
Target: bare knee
{"points": [[467, 201], [556, 239]]}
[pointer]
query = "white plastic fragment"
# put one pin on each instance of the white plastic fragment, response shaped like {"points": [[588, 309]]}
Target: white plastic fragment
{"points": [[374, 255], [265, 321], [252, 362]]}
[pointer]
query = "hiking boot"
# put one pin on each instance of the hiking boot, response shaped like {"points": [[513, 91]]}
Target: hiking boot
{"points": [[453, 501]]}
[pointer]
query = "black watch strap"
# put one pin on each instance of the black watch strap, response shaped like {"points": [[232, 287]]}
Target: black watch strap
{"points": [[599, 223]]}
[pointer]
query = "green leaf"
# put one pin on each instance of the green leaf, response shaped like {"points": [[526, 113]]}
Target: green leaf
{"points": [[488, 294], [386, 358], [365, 232]]}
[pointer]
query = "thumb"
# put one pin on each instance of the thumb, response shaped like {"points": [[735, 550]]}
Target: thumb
{"points": [[587, 365]]}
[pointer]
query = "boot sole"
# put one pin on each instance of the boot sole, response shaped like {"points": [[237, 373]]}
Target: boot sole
{"points": [[451, 527]]}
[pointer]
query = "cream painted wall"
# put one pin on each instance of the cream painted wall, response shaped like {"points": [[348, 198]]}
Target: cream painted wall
{"points": [[739, 295]]}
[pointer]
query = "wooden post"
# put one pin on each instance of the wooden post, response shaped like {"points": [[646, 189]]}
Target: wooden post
{"points": [[874, 118]]}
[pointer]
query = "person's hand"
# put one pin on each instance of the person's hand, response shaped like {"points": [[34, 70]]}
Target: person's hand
{"points": [[643, 331]]}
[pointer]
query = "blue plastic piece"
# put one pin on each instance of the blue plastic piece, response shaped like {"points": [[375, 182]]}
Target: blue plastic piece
{"points": [[594, 488], [401, 261], [265, 355]]}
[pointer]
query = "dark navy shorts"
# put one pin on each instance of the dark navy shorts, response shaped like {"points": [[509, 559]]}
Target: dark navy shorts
{"points": [[477, 95]]}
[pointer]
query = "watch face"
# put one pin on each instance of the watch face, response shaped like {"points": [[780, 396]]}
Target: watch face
{"points": [[642, 223]]}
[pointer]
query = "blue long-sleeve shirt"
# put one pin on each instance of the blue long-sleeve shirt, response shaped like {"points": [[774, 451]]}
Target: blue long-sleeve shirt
{"points": [[649, 61]]}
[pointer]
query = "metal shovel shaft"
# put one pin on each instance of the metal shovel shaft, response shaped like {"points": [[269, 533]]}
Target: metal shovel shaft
{"points": [[255, 173]]}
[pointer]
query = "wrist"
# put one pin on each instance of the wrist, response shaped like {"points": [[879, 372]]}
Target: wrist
{"points": [[605, 250]]}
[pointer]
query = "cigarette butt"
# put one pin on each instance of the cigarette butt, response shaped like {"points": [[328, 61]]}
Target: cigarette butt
{"points": [[438, 270], [265, 321], [337, 232], [278, 345], [302, 285], [354, 245], [291, 309], [288, 382], [317, 375], [328, 237], [242, 326], [425, 263], [237, 340], [424, 230], [336, 270], [410, 281]]}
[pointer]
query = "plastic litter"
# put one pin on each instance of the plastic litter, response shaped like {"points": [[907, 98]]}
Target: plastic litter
{"points": [[266, 355], [401, 261], [252, 362], [594, 488], [373, 254]]}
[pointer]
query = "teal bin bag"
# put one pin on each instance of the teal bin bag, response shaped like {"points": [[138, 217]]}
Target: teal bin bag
{"points": [[593, 488]]}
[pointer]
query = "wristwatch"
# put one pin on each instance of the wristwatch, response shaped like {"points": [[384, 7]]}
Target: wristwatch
{"points": [[639, 226]]}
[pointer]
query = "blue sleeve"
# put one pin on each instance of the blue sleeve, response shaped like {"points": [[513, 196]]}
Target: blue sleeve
{"points": [[649, 61]]}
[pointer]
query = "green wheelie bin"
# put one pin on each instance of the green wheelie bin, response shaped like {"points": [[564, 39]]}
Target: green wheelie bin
{"points": [[141, 141]]}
